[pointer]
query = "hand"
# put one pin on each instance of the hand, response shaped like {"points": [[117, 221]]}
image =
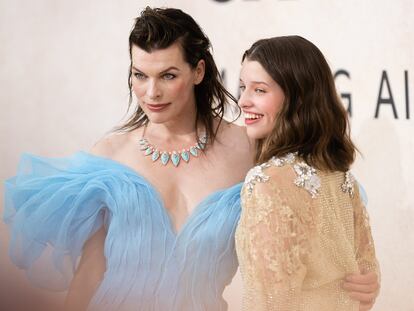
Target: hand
{"points": [[363, 288]]}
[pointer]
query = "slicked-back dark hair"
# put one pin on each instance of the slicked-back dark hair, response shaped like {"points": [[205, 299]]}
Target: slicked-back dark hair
{"points": [[312, 120], [159, 28]]}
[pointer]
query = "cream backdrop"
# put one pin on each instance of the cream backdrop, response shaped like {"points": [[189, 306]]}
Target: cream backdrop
{"points": [[63, 80]]}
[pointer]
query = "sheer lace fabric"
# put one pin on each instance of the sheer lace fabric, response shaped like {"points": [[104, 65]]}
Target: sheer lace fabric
{"points": [[297, 240]]}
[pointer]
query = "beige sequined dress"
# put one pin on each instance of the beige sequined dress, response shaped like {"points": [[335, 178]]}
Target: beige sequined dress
{"points": [[301, 231]]}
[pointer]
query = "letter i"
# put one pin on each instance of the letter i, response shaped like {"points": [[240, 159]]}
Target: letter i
{"points": [[407, 100]]}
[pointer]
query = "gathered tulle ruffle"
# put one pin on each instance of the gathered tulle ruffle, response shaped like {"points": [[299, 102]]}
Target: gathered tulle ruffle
{"points": [[53, 206]]}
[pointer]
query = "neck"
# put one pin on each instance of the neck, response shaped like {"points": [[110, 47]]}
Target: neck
{"points": [[174, 133], [172, 130]]}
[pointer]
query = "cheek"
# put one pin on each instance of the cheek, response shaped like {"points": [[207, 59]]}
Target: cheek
{"points": [[179, 91], [269, 109], [138, 89], [181, 87], [275, 106]]}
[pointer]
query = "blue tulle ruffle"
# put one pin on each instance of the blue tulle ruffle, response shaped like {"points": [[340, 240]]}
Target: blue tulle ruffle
{"points": [[53, 206]]}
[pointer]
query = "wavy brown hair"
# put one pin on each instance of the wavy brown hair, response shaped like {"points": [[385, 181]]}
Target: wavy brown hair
{"points": [[159, 28], [312, 120]]}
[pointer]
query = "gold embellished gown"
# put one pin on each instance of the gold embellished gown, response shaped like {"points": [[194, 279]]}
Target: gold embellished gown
{"points": [[301, 231]]}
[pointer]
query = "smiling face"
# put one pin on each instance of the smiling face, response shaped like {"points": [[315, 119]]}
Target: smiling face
{"points": [[261, 99], [163, 83]]}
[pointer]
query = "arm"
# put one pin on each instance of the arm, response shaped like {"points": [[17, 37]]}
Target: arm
{"points": [[363, 287], [89, 273], [278, 242]]}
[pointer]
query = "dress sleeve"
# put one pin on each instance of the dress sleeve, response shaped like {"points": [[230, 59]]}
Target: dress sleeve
{"points": [[52, 207], [278, 228], [364, 243]]}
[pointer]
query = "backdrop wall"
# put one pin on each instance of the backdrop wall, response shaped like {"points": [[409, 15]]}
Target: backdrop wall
{"points": [[63, 74]]}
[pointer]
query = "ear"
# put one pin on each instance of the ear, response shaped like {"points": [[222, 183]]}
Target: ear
{"points": [[199, 71]]}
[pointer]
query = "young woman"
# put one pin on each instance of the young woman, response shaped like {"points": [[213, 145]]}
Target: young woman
{"points": [[152, 209], [303, 226]]}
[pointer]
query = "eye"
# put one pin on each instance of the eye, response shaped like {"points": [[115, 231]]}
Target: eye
{"points": [[139, 75], [258, 90], [242, 87], [168, 76]]}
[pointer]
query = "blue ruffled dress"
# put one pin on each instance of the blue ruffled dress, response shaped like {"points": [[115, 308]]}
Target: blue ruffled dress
{"points": [[54, 205]]}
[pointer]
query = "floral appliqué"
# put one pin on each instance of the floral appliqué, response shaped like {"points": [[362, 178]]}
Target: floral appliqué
{"points": [[254, 176], [348, 185], [288, 159], [307, 178]]}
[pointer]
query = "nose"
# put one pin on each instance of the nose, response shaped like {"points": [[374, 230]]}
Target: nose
{"points": [[244, 100], [153, 90]]}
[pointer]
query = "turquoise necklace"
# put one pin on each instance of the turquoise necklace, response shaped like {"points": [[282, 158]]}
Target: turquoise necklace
{"points": [[175, 156]]}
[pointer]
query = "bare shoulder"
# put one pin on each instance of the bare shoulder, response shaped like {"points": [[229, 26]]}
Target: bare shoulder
{"points": [[235, 136], [234, 142], [111, 144], [233, 150]]}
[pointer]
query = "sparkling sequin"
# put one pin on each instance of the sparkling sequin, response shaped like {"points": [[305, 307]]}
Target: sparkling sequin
{"points": [[281, 161], [348, 185]]}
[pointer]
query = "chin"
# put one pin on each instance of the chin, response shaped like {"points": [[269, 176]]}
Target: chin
{"points": [[158, 118], [257, 133]]}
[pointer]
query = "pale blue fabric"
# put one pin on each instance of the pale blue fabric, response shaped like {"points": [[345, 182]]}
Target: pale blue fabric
{"points": [[363, 194], [54, 205]]}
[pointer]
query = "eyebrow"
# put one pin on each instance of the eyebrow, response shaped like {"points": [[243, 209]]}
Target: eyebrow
{"points": [[256, 82], [164, 71]]}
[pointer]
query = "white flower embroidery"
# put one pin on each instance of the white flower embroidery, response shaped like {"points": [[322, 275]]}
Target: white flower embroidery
{"points": [[307, 178], [289, 159], [306, 175], [254, 176]]}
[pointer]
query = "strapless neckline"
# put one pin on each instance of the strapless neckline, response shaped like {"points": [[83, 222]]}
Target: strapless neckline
{"points": [[196, 211]]}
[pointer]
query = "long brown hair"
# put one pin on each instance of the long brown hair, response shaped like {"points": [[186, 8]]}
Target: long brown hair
{"points": [[159, 28], [312, 120]]}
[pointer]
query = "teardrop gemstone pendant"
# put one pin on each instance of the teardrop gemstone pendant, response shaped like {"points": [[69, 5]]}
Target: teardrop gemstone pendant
{"points": [[164, 158], [194, 151], [175, 158], [185, 155], [155, 155]]}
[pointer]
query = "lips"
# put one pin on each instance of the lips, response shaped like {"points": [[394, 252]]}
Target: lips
{"points": [[251, 117], [157, 107]]}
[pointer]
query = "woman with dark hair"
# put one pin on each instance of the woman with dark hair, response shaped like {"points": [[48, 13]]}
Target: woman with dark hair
{"points": [[303, 226], [152, 209]]}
